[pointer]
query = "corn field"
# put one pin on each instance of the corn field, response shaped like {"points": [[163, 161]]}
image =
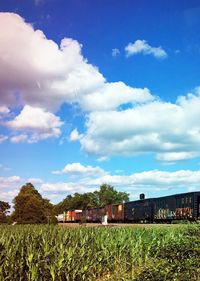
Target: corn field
{"points": [[34, 252]]}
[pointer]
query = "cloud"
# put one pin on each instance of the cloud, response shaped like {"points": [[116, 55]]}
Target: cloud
{"points": [[9, 182], [3, 138], [141, 46], [39, 72], [102, 159], [19, 138], [61, 187], [36, 123], [115, 52], [8, 196], [80, 170], [74, 135], [151, 182], [155, 179], [172, 131], [39, 75], [35, 180], [9, 187], [172, 157], [113, 95], [4, 110], [36, 71]]}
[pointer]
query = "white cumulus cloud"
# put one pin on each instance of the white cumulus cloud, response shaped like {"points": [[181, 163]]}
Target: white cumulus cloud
{"points": [[141, 46], [80, 170], [41, 72], [60, 187], [74, 135], [113, 95], [36, 71], [35, 180], [9, 182], [4, 110], [172, 131], [38, 74], [8, 196], [151, 182], [37, 123]]}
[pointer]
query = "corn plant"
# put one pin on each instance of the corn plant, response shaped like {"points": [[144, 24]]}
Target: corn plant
{"points": [[33, 252]]}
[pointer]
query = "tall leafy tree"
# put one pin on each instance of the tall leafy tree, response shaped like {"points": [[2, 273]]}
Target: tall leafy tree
{"points": [[4, 207], [104, 196], [77, 201], [29, 206], [108, 195]]}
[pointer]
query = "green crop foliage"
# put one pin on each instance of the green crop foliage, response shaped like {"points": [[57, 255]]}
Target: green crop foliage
{"points": [[39, 252]]}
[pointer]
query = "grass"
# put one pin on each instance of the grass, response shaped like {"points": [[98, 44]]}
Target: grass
{"points": [[34, 252]]}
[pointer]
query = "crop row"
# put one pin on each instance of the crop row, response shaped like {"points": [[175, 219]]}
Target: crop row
{"points": [[55, 253]]}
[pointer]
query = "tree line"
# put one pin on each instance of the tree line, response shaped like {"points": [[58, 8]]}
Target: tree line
{"points": [[30, 207]]}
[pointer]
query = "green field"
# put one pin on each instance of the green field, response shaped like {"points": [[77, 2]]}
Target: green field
{"points": [[55, 253]]}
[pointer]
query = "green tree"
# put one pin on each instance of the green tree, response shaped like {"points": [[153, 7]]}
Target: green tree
{"points": [[4, 206], [29, 206], [77, 201], [108, 195], [49, 211], [105, 196]]}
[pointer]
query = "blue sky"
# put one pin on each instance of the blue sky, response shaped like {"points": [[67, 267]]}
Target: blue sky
{"points": [[99, 91]]}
